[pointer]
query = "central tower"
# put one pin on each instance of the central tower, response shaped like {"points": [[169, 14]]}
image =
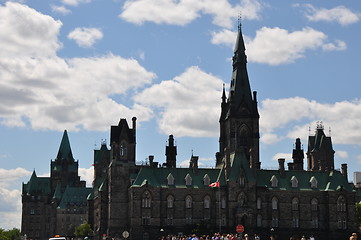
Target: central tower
{"points": [[239, 121]]}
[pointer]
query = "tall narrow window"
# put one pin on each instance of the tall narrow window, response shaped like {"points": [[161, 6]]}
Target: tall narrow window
{"points": [[295, 204], [188, 202], [274, 181], [259, 220], [314, 204], [170, 179], [146, 200], [341, 204], [274, 203], [206, 180], [207, 202], [223, 204], [123, 150], [259, 203], [170, 201]]}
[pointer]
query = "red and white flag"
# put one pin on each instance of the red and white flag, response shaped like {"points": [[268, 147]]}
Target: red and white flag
{"points": [[215, 184]]}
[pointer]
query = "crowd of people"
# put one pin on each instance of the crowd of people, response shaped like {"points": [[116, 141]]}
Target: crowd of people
{"points": [[216, 236]]}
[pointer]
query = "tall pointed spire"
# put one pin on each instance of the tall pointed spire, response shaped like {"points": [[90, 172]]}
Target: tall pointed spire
{"points": [[240, 95], [64, 152]]}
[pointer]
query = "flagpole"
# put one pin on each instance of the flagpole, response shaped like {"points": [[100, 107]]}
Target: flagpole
{"points": [[220, 214]]}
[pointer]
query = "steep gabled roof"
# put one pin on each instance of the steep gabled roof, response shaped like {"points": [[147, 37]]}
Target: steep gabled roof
{"points": [[64, 152], [37, 185]]}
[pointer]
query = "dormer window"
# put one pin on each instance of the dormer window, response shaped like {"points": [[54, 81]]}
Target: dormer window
{"points": [[170, 179], [313, 182], [188, 180], [206, 180], [274, 181], [294, 182]]}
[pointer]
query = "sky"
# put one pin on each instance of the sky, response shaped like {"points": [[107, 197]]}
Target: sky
{"points": [[81, 65]]}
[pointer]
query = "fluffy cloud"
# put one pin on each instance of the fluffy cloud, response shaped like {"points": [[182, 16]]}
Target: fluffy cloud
{"points": [[60, 9], [24, 31], [87, 174], [340, 14], [306, 113], [342, 154], [85, 37], [277, 46], [185, 11], [75, 2], [49, 92], [7, 176], [186, 111]]}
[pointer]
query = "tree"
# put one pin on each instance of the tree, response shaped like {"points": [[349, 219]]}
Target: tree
{"points": [[358, 212], [13, 234], [83, 230]]}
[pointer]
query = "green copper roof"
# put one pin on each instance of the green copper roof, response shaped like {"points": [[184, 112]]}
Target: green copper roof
{"points": [[326, 181], [64, 149], [37, 185], [57, 192], [158, 177], [74, 196]]}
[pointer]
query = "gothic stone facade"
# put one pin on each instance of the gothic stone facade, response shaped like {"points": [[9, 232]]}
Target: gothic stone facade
{"points": [[55, 205], [144, 200]]}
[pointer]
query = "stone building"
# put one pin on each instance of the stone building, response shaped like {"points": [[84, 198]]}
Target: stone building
{"points": [[153, 199], [55, 205]]}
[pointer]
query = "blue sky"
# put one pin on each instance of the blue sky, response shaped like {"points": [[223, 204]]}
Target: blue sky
{"points": [[81, 65]]}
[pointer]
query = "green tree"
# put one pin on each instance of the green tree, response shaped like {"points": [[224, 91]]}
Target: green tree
{"points": [[358, 213], [13, 234], [83, 230]]}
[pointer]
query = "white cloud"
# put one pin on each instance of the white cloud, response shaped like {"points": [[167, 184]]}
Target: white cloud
{"points": [[338, 46], [275, 46], [8, 176], [25, 31], [303, 111], [341, 154], [185, 11], [75, 2], [87, 174], [10, 208], [54, 93], [186, 111], [340, 14], [60, 9], [286, 156], [85, 37]]}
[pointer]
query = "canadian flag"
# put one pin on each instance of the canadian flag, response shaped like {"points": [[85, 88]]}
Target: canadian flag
{"points": [[215, 184]]}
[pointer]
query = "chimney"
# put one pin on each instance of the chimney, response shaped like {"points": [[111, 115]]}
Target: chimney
{"points": [[281, 166], [194, 163], [344, 170]]}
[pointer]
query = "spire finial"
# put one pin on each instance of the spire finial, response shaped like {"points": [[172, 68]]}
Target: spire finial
{"points": [[239, 20]]}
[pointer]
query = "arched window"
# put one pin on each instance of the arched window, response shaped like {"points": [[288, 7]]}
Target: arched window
{"points": [[314, 204], [207, 202], [146, 200], [341, 204], [206, 180], [296, 221], [295, 204], [274, 203], [170, 201], [314, 221], [123, 150], [188, 201], [242, 199]]}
